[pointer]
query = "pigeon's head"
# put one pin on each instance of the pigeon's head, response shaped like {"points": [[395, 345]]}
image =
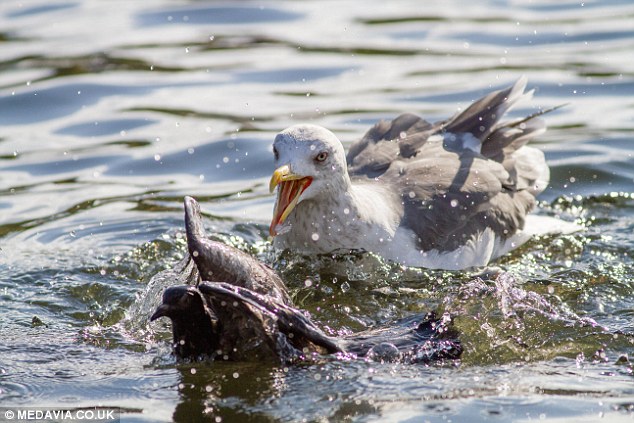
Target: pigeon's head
{"points": [[310, 164], [179, 302], [193, 324]]}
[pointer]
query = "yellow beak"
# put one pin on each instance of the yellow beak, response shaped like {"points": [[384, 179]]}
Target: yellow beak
{"points": [[281, 174], [291, 187]]}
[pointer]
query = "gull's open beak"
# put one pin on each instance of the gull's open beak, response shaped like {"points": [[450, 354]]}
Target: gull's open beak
{"points": [[291, 187]]}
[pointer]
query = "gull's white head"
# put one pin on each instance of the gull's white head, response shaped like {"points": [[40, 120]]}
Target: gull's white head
{"points": [[310, 164]]}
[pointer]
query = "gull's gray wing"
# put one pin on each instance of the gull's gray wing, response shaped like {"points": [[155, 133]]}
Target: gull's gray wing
{"points": [[474, 174], [374, 153]]}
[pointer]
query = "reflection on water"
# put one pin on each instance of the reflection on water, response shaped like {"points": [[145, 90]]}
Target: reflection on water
{"points": [[111, 112], [206, 15]]}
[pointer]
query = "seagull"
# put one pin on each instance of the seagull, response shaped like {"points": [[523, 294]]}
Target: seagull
{"points": [[452, 195]]}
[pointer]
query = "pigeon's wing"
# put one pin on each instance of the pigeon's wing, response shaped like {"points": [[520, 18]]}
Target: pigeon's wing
{"points": [[220, 262], [233, 302]]}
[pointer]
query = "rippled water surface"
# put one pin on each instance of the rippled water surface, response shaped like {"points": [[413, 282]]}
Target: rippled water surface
{"points": [[112, 111]]}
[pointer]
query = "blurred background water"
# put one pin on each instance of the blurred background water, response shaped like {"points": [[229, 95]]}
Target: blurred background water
{"points": [[112, 111]]}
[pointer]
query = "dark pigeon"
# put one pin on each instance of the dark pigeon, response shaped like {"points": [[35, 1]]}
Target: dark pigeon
{"points": [[242, 318]]}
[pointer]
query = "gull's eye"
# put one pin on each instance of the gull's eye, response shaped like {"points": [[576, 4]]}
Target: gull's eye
{"points": [[321, 156], [276, 153]]}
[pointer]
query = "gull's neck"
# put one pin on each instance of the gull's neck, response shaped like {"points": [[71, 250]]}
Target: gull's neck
{"points": [[348, 216]]}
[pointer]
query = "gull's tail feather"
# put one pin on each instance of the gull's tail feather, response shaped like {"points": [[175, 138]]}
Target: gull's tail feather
{"points": [[481, 118]]}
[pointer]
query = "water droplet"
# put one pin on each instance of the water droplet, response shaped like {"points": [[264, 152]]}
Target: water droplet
{"points": [[157, 157], [326, 290], [190, 150], [225, 159], [308, 283], [412, 194], [317, 376], [236, 375], [345, 287], [402, 135], [315, 236], [208, 388], [193, 371], [346, 211], [454, 203]]}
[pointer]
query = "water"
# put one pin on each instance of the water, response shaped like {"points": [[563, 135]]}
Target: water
{"points": [[111, 112]]}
